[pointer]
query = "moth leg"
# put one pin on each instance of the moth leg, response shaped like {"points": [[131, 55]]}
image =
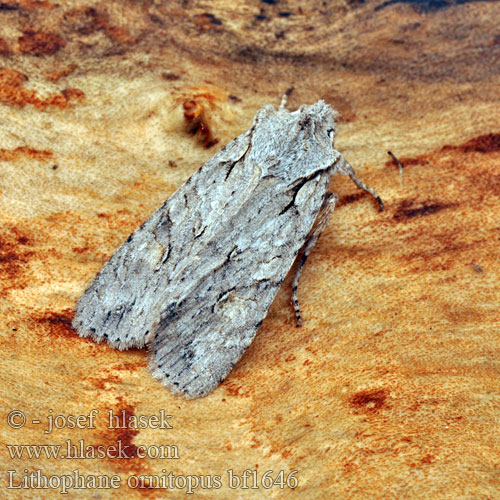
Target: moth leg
{"points": [[344, 167], [326, 212]]}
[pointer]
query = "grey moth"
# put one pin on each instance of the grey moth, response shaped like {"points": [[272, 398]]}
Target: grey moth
{"points": [[196, 280]]}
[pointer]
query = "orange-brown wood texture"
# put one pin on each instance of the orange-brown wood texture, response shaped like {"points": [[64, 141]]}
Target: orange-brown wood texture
{"points": [[391, 388]]}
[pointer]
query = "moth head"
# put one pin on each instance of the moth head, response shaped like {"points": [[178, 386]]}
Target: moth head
{"points": [[324, 117], [294, 144], [319, 120]]}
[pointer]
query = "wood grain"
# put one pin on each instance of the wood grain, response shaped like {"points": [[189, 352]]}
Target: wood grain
{"points": [[391, 388]]}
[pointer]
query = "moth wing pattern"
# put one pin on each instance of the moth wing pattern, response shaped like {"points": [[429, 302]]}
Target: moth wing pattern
{"points": [[123, 304], [196, 280], [222, 313]]}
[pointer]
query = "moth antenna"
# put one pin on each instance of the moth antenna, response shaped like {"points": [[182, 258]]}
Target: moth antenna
{"points": [[396, 161], [399, 165], [284, 99]]}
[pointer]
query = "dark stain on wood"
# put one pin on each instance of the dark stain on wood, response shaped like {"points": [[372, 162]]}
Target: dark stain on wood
{"points": [[38, 43], [409, 209], [369, 401]]}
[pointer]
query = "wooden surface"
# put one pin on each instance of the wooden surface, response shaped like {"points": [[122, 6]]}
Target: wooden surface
{"points": [[391, 388]]}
